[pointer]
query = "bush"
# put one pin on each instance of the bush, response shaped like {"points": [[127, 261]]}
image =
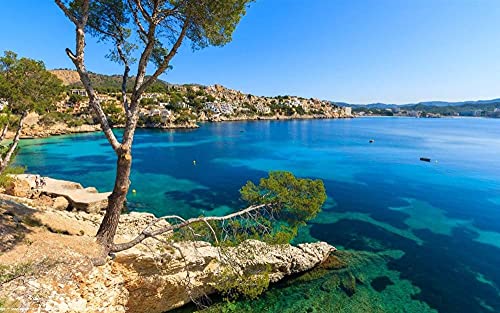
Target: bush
{"points": [[77, 122], [55, 117], [5, 179], [300, 110]]}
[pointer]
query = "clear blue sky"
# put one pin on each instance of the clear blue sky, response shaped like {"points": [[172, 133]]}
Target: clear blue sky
{"points": [[362, 51]]}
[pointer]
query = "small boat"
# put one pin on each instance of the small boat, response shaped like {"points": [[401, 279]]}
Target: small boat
{"points": [[425, 159]]}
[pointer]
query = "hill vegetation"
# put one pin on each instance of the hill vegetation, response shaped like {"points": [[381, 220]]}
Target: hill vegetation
{"points": [[105, 83]]}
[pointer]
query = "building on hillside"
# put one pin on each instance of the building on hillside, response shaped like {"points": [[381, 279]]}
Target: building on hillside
{"points": [[219, 108], [152, 95], [262, 108], [3, 103], [80, 92]]}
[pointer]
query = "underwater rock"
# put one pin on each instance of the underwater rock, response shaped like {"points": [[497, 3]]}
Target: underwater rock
{"points": [[380, 283]]}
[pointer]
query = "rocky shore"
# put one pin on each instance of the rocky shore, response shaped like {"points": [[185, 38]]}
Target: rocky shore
{"points": [[34, 129], [46, 254]]}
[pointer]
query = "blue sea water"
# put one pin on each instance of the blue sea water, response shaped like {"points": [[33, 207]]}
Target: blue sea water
{"points": [[425, 237]]}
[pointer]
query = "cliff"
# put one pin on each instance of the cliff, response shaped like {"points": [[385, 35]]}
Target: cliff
{"points": [[46, 263]]}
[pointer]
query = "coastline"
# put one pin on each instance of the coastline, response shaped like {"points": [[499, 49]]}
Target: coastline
{"points": [[50, 249], [35, 131]]}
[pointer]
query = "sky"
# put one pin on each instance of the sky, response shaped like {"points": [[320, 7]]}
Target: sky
{"points": [[362, 51]]}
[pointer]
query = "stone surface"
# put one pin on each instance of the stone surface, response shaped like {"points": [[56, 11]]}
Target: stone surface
{"points": [[60, 203], [153, 277], [79, 199], [18, 188]]}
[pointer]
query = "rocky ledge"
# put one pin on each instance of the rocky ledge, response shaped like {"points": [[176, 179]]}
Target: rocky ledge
{"points": [[46, 263]]}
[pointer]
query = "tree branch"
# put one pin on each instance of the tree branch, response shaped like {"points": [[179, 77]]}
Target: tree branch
{"points": [[78, 61], [142, 31], [144, 13], [4, 131], [68, 14], [6, 159], [167, 59], [146, 233]]}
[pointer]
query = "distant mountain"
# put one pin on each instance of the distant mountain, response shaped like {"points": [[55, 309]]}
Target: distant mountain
{"points": [[420, 104]]}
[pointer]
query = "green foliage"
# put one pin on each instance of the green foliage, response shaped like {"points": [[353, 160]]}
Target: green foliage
{"points": [[213, 21], [232, 285], [52, 118], [300, 110], [297, 199], [114, 112], [27, 85], [185, 117], [8, 273], [75, 98], [5, 179]]}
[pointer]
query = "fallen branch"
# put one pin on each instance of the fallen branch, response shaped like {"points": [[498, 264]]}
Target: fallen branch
{"points": [[147, 233]]}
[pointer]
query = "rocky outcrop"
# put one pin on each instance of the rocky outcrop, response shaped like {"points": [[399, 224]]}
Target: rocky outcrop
{"points": [[33, 128], [160, 282], [155, 277], [18, 188], [78, 198]]}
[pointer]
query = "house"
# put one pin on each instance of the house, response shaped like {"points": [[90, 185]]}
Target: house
{"points": [[262, 109], [3, 104], [80, 92]]}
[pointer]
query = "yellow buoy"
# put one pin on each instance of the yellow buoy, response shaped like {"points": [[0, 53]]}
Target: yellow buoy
{"points": [[194, 162], [134, 191]]}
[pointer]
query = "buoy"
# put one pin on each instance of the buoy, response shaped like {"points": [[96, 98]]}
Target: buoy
{"points": [[372, 141], [134, 191], [194, 162]]}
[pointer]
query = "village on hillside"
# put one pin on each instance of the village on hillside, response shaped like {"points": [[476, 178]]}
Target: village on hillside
{"points": [[169, 106]]}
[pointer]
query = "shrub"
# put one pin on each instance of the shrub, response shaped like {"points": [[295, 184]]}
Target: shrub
{"points": [[11, 170]]}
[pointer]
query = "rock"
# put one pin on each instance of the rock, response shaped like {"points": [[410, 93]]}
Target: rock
{"points": [[44, 200], [156, 276], [92, 190], [18, 188], [60, 203], [80, 199], [157, 284]]}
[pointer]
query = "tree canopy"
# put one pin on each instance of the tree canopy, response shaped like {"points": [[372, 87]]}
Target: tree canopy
{"points": [[293, 201], [26, 85]]}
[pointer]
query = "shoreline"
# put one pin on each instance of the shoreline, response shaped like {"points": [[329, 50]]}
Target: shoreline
{"points": [[55, 245], [61, 130]]}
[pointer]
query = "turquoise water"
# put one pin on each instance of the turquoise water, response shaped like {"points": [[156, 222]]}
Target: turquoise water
{"points": [[419, 237]]}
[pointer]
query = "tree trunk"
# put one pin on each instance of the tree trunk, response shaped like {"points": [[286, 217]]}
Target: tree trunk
{"points": [[116, 200], [4, 162]]}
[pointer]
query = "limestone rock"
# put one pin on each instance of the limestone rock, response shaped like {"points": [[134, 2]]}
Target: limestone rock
{"points": [[80, 199], [60, 203], [18, 188], [156, 276]]}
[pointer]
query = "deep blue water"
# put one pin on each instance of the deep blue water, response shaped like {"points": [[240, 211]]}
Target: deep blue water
{"points": [[433, 227]]}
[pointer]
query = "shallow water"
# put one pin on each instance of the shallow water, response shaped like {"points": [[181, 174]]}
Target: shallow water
{"points": [[426, 235]]}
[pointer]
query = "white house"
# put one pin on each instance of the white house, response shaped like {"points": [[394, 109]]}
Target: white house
{"points": [[3, 104]]}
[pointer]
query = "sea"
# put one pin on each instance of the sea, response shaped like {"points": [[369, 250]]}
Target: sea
{"points": [[416, 236]]}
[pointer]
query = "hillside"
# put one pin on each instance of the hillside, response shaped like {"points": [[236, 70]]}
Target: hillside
{"points": [[104, 83], [68, 77]]}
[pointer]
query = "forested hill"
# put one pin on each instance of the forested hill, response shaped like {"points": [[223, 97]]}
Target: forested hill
{"points": [[104, 83]]}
